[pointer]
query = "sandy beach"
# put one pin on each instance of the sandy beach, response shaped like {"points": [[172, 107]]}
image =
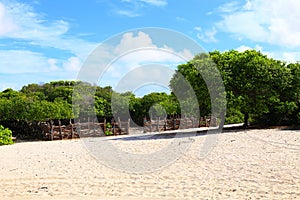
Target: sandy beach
{"points": [[252, 164]]}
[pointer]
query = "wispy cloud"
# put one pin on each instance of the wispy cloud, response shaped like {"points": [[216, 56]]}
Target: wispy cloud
{"points": [[182, 19], [20, 21], [134, 8], [22, 61], [7, 25], [30, 30], [127, 13], [207, 36], [158, 3], [229, 7], [244, 48], [274, 22], [287, 56]]}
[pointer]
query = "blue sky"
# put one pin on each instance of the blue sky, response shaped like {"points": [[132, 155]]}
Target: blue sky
{"points": [[45, 40]]}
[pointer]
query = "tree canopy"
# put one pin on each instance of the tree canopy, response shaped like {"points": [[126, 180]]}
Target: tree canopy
{"points": [[257, 87]]}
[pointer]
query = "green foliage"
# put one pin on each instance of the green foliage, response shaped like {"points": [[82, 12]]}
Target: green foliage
{"points": [[170, 105], [234, 116], [200, 79], [257, 87], [5, 136], [120, 105], [151, 99], [108, 129]]}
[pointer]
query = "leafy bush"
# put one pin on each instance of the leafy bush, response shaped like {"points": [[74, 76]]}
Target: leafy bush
{"points": [[234, 116], [108, 129], [5, 136]]}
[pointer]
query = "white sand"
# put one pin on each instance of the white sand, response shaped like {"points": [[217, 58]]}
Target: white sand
{"points": [[257, 164]]}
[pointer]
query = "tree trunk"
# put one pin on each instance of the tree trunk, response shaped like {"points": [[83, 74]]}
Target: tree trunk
{"points": [[246, 118]]}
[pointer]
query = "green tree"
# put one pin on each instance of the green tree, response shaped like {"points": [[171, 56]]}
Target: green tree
{"points": [[5, 136], [150, 100], [255, 84], [199, 87], [100, 106], [293, 93]]}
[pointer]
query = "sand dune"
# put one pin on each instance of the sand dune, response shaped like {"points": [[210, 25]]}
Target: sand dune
{"points": [[254, 164]]}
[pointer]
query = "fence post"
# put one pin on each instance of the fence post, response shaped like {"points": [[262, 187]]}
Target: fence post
{"points": [[119, 124], [144, 123], [128, 126], [79, 128], [208, 121], [60, 129], [174, 123], [104, 126], [72, 131], [94, 125], [113, 126], [51, 130], [150, 124]]}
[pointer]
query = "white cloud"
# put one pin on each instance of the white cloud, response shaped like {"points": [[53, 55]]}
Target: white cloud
{"points": [[32, 25], [248, 5], [137, 51], [181, 19], [155, 2], [134, 8], [20, 21], [206, 35], [18, 61], [53, 64], [229, 7], [73, 64], [290, 57], [151, 55], [6, 23], [186, 54], [127, 13], [36, 68], [287, 56], [158, 3], [244, 48], [139, 77], [129, 41], [142, 43], [275, 22]]}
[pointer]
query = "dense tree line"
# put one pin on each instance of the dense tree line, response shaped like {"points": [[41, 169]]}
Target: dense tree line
{"points": [[23, 111], [258, 89]]}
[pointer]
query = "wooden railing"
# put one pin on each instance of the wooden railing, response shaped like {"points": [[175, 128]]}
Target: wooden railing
{"points": [[85, 129], [118, 127], [159, 124]]}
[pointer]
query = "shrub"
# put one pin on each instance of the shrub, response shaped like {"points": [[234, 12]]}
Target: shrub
{"points": [[108, 129], [234, 116], [5, 136]]}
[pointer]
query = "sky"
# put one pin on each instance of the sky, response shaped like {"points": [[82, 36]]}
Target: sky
{"points": [[48, 40]]}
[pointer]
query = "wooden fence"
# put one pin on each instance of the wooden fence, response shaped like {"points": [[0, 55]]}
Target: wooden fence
{"points": [[157, 125], [85, 129], [96, 129]]}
